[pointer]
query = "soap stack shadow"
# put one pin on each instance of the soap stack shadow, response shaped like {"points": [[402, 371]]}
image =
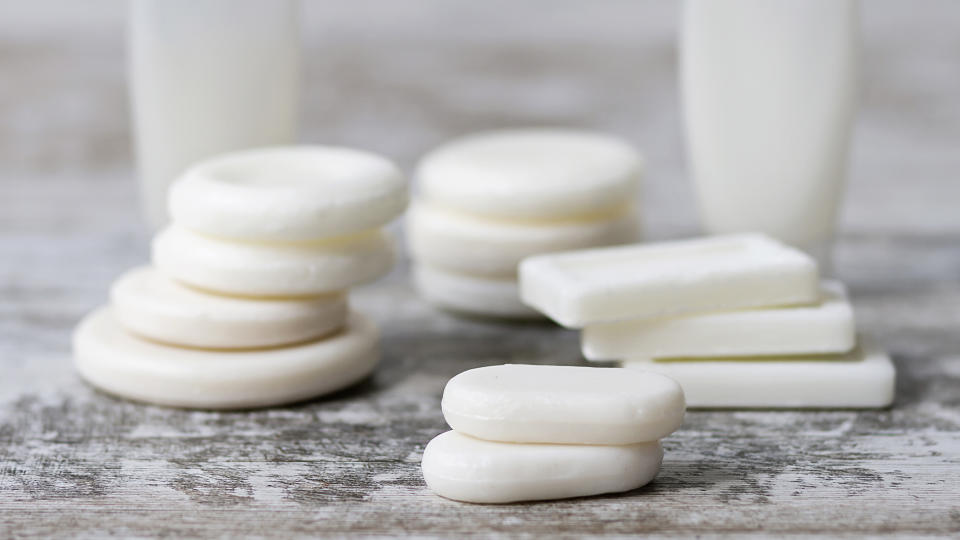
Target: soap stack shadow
{"points": [[246, 304], [489, 200], [525, 432], [740, 321]]}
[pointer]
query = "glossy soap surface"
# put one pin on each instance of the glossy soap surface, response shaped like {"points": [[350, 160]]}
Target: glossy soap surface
{"points": [[122, 364], [563, 404], [863, 378], [289, 194], [463, 468], [462, 242], [823, 328], [258, 269], [579, 288], [151, 304], [532, 174], [471, 294]]}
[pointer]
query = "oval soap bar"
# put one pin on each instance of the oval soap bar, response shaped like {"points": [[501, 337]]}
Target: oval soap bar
{"points": [[563, 404], [463, 468]]}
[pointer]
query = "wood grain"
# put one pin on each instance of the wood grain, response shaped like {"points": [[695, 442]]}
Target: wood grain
{"points": [[399, 79]]}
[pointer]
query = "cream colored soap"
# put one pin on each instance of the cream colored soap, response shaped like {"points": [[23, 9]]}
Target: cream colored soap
{"points": [[256, 269], [463, 468], [124, 365], [823, 328], [464, 293], [721, 273], [150, 304], [461, 242], [289, 194], [532, 174], [562, 404], [863, 378]]}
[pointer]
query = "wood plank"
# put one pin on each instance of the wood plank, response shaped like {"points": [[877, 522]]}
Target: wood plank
{"points": [[74, 462]]}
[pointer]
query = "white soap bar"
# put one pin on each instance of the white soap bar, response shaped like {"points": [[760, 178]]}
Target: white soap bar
{"points": [[463, 468], [124, 365], [824, 328], [532, 174], [461, 242], [286, 194], [474, 295], [863, 378], [150, 304], [562, 404], [254, 269], [721, 273]]}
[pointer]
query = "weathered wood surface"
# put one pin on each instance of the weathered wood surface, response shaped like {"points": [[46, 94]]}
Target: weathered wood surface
{"points": [[398, 78]]}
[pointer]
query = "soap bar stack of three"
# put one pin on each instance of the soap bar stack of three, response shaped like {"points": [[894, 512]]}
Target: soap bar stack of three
{"points": [[526, 432], [246, 305], [489, 200], [739, 321]]}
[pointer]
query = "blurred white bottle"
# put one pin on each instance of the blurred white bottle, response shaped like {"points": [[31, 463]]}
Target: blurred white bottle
{"points": [[209, 76], [769, 91]]}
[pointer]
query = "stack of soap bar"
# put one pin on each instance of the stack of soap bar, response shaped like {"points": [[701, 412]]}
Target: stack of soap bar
{"points": [[487, 201], [523, 432], [246, 305], [731, 318]]}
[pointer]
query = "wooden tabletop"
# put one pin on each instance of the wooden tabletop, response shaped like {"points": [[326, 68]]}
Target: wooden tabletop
{"points": [[399, 78]]}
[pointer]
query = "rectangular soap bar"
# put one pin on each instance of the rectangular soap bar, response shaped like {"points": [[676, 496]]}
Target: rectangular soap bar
{"points": [[824, 328], [863, 378], [720, 273]]}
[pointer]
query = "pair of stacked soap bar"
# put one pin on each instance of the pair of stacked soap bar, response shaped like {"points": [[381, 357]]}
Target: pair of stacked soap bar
{"points": [[738, 321], [488, 201], [247, 303], [523, 432]]}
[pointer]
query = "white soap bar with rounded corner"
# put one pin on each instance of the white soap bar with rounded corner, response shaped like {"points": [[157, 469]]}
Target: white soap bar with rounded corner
{"points": [[463, 468], [255, 269], [288, 194], [721, 273], [150, 304], [562, 404], [532, 174], [124, 365], [469, 294], [461, 242], [863, 378], [824, 328]]}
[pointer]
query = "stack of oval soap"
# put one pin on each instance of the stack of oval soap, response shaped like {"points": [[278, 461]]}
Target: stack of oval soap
{"points": [[524, 432], [487, 201], [246, 305]]}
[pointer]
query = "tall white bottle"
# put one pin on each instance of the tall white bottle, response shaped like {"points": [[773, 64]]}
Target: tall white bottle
{"points": [[769, 91], [209, 76]]}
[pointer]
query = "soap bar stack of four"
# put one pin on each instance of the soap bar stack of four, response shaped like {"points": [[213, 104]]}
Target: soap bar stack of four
{"points": [[246, 304], [739, 321]]}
